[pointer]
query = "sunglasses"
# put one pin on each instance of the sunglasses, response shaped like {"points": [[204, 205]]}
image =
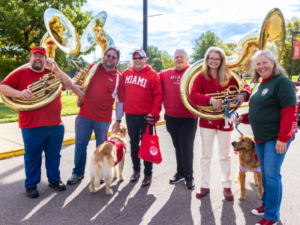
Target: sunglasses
{"points": [[112, 57], [40, 48], [139, 58]]}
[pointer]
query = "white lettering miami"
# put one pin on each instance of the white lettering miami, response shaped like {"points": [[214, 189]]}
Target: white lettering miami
{"points": [[136, 80]]}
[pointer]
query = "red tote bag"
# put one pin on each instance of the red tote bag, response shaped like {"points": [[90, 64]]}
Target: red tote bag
{"points": [[149, 150]]}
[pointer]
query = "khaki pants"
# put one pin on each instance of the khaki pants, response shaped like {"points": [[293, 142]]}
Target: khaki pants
{"points": [[224, 143]]}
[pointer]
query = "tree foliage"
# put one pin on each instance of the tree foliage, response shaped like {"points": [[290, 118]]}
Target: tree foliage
{"points": [[291, 26], [22, 27], [207, 40], [123, 65], [158, 59]]}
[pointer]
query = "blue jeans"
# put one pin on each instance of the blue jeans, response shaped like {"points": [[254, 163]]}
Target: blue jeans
{"points": [[36, 140], [83, 132], [270, 164]]}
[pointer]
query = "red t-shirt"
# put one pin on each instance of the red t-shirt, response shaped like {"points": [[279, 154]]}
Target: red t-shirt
{"points": [[170, 80], [99, 99], [48, 115], [198, 96], [143, 93]]}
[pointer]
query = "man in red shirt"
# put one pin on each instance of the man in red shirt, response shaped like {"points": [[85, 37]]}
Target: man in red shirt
{"points": [[42, 128], [181, 124], [142, 98], [95, 114]]}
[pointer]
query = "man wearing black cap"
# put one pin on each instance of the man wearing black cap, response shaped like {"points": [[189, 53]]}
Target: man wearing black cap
{"points": [[42, 129]]}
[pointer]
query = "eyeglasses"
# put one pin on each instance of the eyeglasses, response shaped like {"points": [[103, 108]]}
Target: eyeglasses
{"points": [[112, 57], [139, 58], [213, 59]]}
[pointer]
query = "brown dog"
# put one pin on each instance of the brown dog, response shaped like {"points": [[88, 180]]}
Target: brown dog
{"points": [[248, 162], [105, 158]]}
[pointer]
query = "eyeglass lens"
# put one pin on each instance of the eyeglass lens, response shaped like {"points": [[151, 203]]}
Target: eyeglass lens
{"points": [[139, 58], [109, 56]]}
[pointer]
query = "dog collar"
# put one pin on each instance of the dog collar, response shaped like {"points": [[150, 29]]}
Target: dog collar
{"points": [[256, 170]]}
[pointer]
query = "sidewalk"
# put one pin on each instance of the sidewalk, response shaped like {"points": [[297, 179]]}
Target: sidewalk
{"points": [[11, 141]]}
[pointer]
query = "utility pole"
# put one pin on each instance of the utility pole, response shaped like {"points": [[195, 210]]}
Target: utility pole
{"points": [[145, 26]]}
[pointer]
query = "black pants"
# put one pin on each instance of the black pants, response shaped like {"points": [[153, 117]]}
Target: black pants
{"points": [[183, 131], [136, 126]]}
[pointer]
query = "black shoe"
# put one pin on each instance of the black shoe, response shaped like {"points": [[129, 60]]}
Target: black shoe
{"points": [[58, 185], [176, 178], [74, 179], [102, 181], [32, 192], [189, 182]]}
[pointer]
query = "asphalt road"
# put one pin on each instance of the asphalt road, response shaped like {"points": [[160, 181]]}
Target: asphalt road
{"points": [[161, 203]]}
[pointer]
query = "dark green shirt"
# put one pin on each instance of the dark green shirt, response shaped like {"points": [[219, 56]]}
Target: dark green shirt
{"points": [[265, 105]]}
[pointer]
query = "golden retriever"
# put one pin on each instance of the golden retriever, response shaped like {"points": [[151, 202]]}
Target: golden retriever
{"points": [[104, 160], [248, 162]]}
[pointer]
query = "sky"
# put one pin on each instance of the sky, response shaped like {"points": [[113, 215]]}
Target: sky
{"points": [[182, 22]]}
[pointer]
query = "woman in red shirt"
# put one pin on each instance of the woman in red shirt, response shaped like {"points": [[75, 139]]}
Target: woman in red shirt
{"points": [[215, 77]]}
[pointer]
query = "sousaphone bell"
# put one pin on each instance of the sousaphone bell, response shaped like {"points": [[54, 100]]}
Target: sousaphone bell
{"points": [[60, 33], [271, 37]]}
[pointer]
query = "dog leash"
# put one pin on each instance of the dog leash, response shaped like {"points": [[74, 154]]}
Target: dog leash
{"points": [[228, 115]]}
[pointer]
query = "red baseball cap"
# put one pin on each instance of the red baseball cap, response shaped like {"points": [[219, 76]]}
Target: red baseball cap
{"points": [[141, 52], [38, 49]]}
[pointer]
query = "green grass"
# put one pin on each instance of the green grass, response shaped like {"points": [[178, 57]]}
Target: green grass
{"points": [[68, 106]]}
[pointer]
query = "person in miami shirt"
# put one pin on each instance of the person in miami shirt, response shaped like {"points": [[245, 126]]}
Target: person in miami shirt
{"points": [[95, 114], [143, 97], [42, 129], [180, 123]]}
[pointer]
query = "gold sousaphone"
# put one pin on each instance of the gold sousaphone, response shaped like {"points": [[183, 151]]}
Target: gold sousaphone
{"points": [[60, 33], [92, 34], [271, 37]]}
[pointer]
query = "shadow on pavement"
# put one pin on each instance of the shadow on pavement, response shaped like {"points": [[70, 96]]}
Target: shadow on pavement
{"points": [[228, 215], [206, 212], [177, 209]]}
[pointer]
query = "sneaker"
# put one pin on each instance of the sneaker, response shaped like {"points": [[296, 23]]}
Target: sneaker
{"points": [[259, 211], [58, 185], [74, 179], [189, 182], [176, 178], [264, 221], [32, 192]]}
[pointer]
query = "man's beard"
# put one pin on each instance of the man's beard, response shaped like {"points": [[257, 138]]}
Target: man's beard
{"points": [[37, 67], [111, 67]]}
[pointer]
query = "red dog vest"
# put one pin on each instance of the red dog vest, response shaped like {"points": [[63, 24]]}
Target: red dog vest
{"points": [[119, 149]]}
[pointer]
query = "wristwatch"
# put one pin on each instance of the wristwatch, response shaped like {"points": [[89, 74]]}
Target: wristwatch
{"points": [[118, 121]]}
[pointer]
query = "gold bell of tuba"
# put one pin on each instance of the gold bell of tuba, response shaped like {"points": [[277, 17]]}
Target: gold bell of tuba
{"points": [[60, 33], [271, 37], [92, 34]]}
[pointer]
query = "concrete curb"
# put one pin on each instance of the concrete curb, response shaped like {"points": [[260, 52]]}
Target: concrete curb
{"points": [[68, 141]]}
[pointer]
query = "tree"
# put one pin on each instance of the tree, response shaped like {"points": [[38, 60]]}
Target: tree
{"points": [[22, 27], [159, 60], [291, 26], [123, 65], [207, 40], [231, 46]]}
